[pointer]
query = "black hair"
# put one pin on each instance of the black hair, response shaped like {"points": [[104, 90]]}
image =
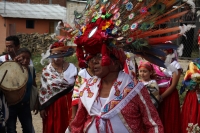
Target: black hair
{"points": [[15, 40], [23, 50], [112, 56]]}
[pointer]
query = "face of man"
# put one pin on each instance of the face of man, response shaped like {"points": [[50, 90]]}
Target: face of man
{"points": [[11, 48]]}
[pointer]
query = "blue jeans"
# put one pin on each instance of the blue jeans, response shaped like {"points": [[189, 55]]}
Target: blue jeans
{"points": [[23, 112]]}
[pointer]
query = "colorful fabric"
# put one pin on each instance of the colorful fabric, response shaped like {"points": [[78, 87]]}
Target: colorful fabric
{"points": [[164, 76], [169, 112], [190, 111], [54, 83], [129, 66], [192, 77], [82, 77], [58, 115], [169, 108], [116, 110], [102, 25], [55, 98], [146, 65]]}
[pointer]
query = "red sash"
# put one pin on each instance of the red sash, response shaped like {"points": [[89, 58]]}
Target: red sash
{"points": [[6, 57]]}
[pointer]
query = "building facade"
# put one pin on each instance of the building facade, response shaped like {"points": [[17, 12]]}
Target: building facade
{"points": [[60, 2], [16, 18]]}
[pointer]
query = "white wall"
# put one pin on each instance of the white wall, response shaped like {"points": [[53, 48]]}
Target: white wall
{"points": [[73, 5]]}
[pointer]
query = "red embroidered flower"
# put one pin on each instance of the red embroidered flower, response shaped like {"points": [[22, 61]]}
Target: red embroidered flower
{"points": [[43, 92], [53, 84], [46, 74]]}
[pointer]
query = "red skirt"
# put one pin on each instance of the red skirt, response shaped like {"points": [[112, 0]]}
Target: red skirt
{"points": [[58, 115], [169, 112], [190, 111]]}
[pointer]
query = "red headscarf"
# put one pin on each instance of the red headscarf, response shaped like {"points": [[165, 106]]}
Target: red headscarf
{"points": [[146, 65], [57, 45]]}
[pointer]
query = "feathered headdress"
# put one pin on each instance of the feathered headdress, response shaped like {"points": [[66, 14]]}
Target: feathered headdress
{"points": [[108, 26], [192, 76]]}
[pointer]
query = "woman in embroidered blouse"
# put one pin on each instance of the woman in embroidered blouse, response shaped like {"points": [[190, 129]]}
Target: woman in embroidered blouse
{"points": [[110, 102], [57, 83], [167, 80], [83, 76]]}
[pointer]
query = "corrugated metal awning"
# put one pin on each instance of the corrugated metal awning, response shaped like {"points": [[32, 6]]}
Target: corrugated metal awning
{"points": [[33, 11]]}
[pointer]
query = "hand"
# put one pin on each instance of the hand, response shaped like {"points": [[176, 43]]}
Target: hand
{"points": [[36, 109], [18, 59], [160, 99], [43, 114]]}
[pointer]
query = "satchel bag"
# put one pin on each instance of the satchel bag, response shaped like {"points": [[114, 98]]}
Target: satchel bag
{"points": [[34, 92]]}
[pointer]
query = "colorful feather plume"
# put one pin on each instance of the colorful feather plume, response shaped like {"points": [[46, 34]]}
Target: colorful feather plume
{"points": [[137, 26]]}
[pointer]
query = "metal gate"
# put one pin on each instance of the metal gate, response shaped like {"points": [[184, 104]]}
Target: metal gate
{"points": [[190, 42], [191, 48]]}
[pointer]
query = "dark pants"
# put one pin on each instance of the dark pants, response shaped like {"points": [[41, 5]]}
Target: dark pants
{"points": [[23, 112], [2, 129]]}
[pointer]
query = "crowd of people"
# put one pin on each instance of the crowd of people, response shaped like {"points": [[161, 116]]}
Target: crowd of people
{"points": [[110, 93], [101, 98]]}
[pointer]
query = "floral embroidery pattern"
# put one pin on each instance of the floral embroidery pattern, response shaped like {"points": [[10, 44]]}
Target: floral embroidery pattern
{"points": [[52, 84], [121, 96], [90, 93]]}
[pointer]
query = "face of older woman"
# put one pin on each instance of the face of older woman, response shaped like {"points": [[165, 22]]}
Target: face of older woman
{"points": [[91, 65], [102, 71], [57, 60]]}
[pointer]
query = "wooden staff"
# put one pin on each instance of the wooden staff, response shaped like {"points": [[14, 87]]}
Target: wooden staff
{"points": [[3, 76]]}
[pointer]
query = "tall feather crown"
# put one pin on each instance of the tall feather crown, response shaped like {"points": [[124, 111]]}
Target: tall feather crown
{"points": [[107, 26]]}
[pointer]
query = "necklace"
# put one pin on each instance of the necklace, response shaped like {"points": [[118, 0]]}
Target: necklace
{"points": [[60, 74]]}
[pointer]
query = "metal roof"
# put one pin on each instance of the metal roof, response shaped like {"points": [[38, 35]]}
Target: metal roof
{"points": [[34, 11]]}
